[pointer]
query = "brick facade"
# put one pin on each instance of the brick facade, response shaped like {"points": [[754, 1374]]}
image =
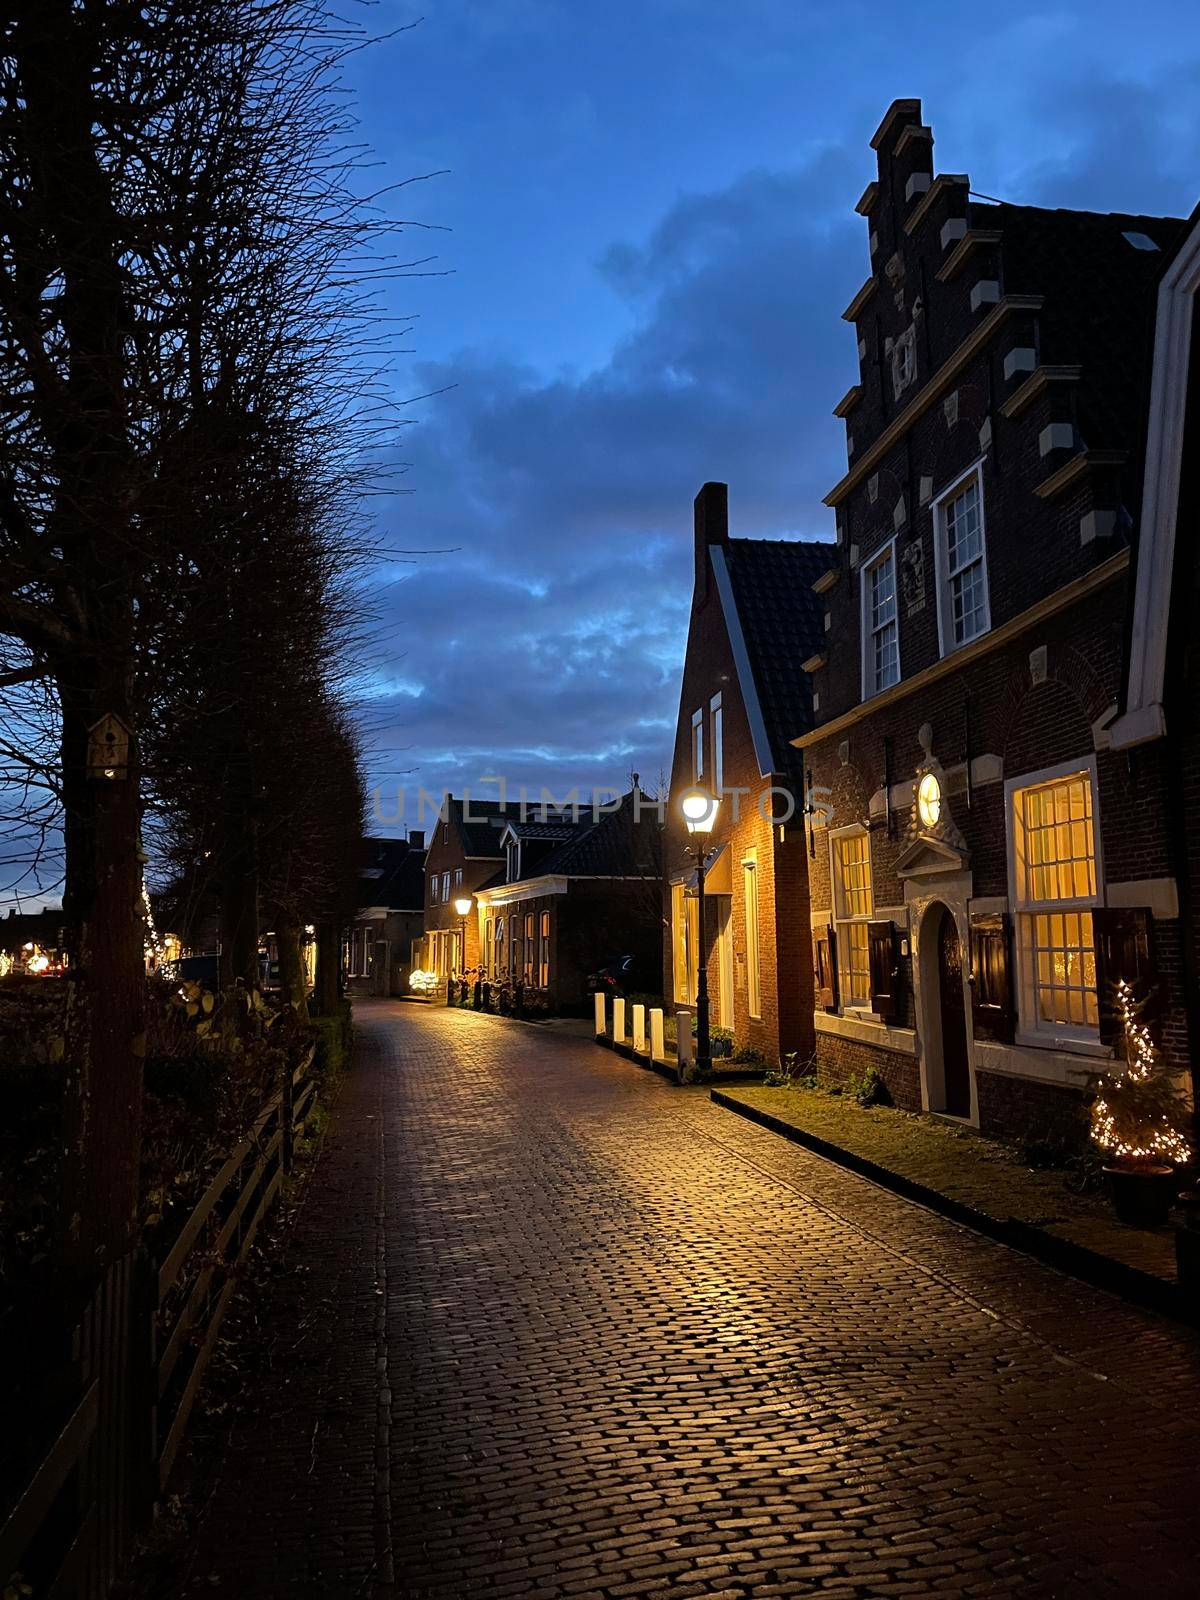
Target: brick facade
{"points": [[753, 795], [1005, 377]]}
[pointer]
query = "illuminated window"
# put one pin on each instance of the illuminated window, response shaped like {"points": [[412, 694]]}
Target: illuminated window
{"points": [[1054, 876], [963, 610], [498, 950], [852, 912], [529, 950], [881, 628], [544, 952], [753, 979], [683, 944]]}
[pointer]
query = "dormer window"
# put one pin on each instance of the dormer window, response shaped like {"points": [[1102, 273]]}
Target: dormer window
{"points": [[904, 362], [513, 855]]}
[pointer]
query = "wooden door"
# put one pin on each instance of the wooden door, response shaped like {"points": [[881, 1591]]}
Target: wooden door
{"points": [[955, 1067]]}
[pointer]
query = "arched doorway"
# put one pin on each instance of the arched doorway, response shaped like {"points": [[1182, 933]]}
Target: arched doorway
{"points": [[946, 1067], [956, 1068]]}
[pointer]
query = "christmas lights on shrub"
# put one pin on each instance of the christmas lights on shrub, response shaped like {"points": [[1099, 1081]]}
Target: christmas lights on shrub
{"points": [[1136, 1113]]}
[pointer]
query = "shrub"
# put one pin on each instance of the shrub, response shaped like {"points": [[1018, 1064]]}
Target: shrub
{"points": [[748, 1056], [867, 1088]]}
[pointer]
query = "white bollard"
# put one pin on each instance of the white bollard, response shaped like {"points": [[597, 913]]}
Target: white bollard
{"points": [[618, 1019], [658, 1049], [601, 1020], [639, 1029], [683, 1038]]}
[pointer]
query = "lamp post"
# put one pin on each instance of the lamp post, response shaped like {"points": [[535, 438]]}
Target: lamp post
{"points": [[463, 907], [699, 809]]}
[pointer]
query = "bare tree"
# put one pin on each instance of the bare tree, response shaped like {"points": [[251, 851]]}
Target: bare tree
{"points": [[192, 377]]}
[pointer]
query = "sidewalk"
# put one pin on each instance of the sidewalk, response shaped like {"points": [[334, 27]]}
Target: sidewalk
{"points": [[979, 1182]]}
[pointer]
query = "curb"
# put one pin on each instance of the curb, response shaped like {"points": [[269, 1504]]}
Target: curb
{"points": [[1076, 1260], [667, 1069]]}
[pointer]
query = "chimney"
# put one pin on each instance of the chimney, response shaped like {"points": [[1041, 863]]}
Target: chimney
{"points": [[711, 513], [416, 838]]}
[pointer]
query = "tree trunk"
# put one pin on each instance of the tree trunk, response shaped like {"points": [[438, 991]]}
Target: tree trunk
{"points": [[106, 994], [239, 899], [329, 965], [53, 46], [292, 977]]}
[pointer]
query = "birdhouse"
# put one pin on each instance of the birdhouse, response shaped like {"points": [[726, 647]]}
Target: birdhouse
{"points": [[108, 749]]}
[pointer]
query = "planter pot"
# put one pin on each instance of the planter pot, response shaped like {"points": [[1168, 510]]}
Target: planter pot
{"points": [[1142, 1196]]}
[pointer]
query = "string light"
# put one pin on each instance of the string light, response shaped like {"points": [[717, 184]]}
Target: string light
{"points": [[1132, 1114]]}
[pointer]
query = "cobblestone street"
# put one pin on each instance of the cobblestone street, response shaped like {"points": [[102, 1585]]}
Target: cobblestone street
{"points": [[568, 1331]]}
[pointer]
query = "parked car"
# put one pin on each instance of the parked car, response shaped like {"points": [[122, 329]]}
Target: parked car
{"points": [[624, 975], [198, 969]]}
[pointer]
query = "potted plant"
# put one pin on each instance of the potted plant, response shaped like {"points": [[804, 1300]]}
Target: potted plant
{"points": [[1139, 1122]]}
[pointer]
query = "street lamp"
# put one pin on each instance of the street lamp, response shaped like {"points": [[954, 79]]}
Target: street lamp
{"points": [[463, 907], [699, 809]]}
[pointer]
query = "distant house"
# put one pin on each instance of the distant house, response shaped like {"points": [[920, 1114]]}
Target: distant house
{"points": [[575, 893], [32, 941], [391, 917], [990, 852], [756, 628], [465, 852]]}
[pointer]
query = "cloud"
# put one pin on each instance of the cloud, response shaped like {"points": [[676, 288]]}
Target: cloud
{"points": [[549, 645]]}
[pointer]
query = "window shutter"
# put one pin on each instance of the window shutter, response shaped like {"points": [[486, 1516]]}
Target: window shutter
{"points": [[881, 952], [824, 970], [1124, 949], [992, 1010]]}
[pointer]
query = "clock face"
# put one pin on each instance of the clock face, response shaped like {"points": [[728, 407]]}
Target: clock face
{"points": [[929, 800]]}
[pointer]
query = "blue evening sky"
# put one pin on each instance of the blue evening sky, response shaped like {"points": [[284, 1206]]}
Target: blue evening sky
{"points": [[653, 236]]}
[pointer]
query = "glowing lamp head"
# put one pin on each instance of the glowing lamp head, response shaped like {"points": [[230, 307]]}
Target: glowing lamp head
{"points": [[929, 801], [463, 905], [699, 810]]}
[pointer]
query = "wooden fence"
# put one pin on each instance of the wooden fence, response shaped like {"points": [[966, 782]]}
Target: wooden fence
{"points": [[133, 1367]]}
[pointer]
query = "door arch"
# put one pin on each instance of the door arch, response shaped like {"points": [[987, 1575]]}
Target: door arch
{"points": [[945, 1046]]}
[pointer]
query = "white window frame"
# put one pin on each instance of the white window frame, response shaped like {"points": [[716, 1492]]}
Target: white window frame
{"points": [[842, 920], [435, 884], [718, 743], [698, 745], [886, 552], [947, 644], [751, 900], [1031, 1030], [445, 888]]}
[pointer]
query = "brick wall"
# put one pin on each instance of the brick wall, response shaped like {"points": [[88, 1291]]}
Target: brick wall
{"points": [[785, 956], [840, 1059]]}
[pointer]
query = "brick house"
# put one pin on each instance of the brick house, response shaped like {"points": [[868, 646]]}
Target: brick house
{"points": [[465, 852], [391, 918], [755, 622], [1159, 723], [578, 890], [982, 861]]}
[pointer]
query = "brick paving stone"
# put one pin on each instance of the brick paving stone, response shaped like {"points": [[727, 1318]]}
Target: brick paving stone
{"points": [[569, 1333]]}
